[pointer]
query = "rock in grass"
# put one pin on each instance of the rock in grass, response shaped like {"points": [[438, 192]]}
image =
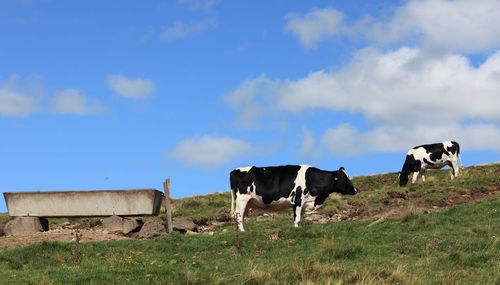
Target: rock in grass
{"points": [[120, 225], [25, 226], [153, 227], [183, 225]]}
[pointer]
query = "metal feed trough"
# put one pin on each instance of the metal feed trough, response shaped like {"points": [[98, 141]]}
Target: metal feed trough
{"points": [[99, 203]]}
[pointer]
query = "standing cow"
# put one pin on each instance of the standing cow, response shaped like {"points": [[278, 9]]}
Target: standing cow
{"points": [[430, 156], [302, 187]]}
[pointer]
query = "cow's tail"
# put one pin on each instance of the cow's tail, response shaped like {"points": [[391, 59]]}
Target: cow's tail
{"points": [[459, 157]]}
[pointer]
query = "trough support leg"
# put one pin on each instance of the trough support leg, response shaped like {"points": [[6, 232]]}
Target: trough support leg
{"points": [[168, 207]]}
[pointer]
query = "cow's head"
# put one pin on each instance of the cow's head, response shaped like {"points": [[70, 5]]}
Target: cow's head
{"points": [[342, 183], [411, 165], [403, 179]]}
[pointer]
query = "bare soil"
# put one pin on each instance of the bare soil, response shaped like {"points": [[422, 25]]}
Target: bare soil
{"points": [[10, 242], [396, 208]]}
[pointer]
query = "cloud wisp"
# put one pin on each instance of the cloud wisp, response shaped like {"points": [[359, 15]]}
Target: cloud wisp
{"points": [[203, 5], [181, 30], [72, 101], [20, 97], [17, 104], [250, 100], [315, 25], [131, 88]]}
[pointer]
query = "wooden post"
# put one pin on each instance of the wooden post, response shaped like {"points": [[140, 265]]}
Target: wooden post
{"points": [[168, 207]]}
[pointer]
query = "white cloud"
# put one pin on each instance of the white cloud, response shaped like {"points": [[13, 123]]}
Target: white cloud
{"points": [[346, 140], [71, 101], [19, 97], [209, 151], [402, 87], [406, 96], [314, 26], [460, 25], [138, 88], [446, 25], [181, 30]]}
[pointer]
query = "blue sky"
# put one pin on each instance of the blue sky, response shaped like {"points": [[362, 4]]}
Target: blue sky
{"points": [[108, 95]]}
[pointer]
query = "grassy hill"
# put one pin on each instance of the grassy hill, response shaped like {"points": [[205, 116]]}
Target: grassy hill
{"points": [[433, 233]]}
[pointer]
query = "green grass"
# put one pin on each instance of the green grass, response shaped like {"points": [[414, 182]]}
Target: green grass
{"points": [[457, 245], [211, 207]]}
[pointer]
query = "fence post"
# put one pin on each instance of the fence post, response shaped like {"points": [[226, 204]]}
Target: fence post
{"points": [[168, 207]]}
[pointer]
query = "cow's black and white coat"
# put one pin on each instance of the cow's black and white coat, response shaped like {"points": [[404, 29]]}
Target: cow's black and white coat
{"points": [[279, 187], [430, 156]]}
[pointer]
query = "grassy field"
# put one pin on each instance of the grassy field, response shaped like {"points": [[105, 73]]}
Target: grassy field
{"points": [[458, 245]]}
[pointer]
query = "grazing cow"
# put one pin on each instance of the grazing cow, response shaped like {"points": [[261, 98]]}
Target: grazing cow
{"points": [[302, 187], [430, 156]]}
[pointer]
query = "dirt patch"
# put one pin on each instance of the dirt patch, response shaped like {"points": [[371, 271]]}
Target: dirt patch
{"points": [[10, 242], [395, 209], [384, 180], [394, 197], [472, 195], [364, 187]]}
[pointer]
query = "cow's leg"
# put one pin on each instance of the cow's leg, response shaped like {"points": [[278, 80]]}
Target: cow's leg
{"points": [[414, 178], [422, 173], [297, 214], [294, 213], [241, 206], [454, 170]]}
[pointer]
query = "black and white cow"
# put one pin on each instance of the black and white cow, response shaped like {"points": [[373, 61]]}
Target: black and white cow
{"points": [[430, 156], [302, 187]]}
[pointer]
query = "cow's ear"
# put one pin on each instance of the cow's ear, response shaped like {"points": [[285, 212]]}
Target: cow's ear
{"points": [[343, 170], [335, 178]]}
